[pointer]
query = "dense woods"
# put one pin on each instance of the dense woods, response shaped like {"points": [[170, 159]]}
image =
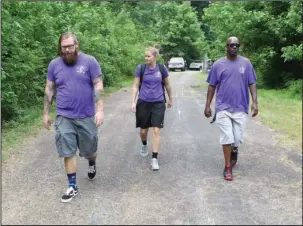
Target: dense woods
{"points": [[117, 33]]}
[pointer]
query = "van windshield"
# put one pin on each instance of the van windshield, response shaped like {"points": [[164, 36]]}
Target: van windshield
{"points": [[176, 60]]}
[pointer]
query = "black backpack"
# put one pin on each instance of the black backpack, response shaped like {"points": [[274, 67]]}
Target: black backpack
{"points": [[161, 68]]}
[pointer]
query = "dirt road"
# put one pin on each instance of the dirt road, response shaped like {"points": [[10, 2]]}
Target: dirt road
{"points": [[188, 189]]}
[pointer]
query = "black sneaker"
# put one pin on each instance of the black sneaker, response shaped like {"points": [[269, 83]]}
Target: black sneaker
{"points": [[227, 173], [91, 172], [234, 157], [70, 193]]}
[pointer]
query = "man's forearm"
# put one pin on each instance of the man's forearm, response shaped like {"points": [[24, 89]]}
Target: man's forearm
{"points": [[210, 94], [253, 93], [48, 99], [98, 99]]}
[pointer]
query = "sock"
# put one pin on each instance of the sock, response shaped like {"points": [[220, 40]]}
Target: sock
{"points": [[155, 155], [72, 180], [91, 162], [144, 142], [228, 166]]}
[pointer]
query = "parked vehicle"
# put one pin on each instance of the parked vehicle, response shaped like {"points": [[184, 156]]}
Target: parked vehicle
{"points": [[176, 63], [196, 65]]}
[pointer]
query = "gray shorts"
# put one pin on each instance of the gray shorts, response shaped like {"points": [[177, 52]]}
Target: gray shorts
{"points": [[232, 126], [76, 133]]}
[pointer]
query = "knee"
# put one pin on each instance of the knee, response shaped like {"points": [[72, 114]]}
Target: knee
{"points": [[143, 132], [156, 132]]}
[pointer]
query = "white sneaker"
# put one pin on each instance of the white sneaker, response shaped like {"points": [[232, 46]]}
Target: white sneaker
{"points": [[154, 164], [144, 151]]}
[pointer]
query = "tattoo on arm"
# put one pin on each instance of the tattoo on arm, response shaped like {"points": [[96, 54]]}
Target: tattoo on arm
{"points": [[48, 96], [98, 87]]}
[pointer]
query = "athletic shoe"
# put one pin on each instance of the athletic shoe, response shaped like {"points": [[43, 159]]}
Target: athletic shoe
{"points": [[69, 194], [154, 164], [227, 173], [144, 151], [91, 172]]}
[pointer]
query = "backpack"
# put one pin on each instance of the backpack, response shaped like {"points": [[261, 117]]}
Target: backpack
{"points": [[161, 68]]}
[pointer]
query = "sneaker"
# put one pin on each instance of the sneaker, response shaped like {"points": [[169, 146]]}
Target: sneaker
{"points": [[154, 164], [69, 194], [144, 151], [91, 172], [227, 173], [234, 157]]}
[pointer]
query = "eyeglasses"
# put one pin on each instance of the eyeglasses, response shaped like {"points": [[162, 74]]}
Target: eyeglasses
{"points": [[232, 45], [69, 47]]}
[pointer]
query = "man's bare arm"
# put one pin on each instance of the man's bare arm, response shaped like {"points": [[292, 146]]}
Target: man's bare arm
{"points": [[210, 94], [98, 87], [253, 93], [48, 96]]}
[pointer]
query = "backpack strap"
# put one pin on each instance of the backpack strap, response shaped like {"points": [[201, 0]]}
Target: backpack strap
{"points": [[142, 70], [161, 68]]}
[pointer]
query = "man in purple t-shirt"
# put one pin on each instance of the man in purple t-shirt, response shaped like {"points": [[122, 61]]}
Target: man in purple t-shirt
{"points": [[232, 76], [150, 107], [76, 78]]}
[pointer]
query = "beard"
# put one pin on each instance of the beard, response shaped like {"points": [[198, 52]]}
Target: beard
{"points": [[69, 59]]}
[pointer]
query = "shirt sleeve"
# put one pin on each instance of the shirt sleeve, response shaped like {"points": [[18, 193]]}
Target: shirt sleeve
{"points": [[138, 70], [50, 71], [94, 69], [212, 78], [165, 71], [252, 78]]}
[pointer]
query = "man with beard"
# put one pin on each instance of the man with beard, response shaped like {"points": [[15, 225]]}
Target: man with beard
{"points": [[232, 76], [77, 79]]}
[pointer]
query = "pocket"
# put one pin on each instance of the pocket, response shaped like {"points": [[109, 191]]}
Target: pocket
{"points": [[58, 120]]}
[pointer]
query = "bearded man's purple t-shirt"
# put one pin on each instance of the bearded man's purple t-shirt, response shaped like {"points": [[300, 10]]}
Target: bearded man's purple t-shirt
{"points": [[232, 79], [151, 88], [74, 85]]}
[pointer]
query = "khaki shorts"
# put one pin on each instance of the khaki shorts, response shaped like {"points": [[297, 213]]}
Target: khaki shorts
{"points": [[232, 126], [76, 133]]}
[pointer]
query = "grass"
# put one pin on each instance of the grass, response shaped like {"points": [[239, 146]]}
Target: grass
{"points": [[277, 110], [14, 133]]}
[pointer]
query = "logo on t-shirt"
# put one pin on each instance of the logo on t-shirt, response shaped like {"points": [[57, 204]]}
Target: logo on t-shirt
{"points": [[241, 69], [158, 74], [81, 69]]}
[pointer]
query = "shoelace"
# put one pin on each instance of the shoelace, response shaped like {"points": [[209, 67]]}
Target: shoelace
{"points": [[91, 169], [69, 190]]}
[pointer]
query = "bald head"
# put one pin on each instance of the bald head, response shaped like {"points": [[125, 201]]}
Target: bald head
{"points": [[233, 40], [232, 47]]}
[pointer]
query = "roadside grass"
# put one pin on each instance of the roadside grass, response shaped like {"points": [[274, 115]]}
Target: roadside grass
{"points": [[14, 133], [277, 110]]}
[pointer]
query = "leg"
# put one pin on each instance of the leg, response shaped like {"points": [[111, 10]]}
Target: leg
{"points": [[66, 144], [226, 139], [143, 136], [156, 139], [157, 121], [88, 143], [143, 120], [239, 122]]}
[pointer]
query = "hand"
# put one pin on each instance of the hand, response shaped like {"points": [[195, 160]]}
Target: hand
{"points": [[133, 108], [254, 109], [169, 104], [46, 120], [99, 117], [207, 112]]}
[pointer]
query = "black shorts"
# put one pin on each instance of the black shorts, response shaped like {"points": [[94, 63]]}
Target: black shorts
{"points": [[150, 114]]}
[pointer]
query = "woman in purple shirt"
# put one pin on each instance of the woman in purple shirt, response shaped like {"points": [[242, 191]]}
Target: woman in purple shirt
{"points": [[150, 107]]}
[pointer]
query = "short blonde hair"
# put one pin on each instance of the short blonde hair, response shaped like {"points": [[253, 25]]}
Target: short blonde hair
{"points": [[154, 50]]}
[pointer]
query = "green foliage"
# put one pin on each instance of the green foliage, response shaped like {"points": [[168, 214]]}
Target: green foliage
{"points": [[270, 34]]}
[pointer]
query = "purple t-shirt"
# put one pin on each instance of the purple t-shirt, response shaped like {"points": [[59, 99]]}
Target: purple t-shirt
{"points": [[232, 79], [75, 90], [151, 89]]}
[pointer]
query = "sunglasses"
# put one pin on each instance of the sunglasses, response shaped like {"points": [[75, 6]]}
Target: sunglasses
{"points": [[232, 45]]}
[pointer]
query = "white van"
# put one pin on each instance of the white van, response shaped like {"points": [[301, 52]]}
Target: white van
{"points": [[176, 63]]}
